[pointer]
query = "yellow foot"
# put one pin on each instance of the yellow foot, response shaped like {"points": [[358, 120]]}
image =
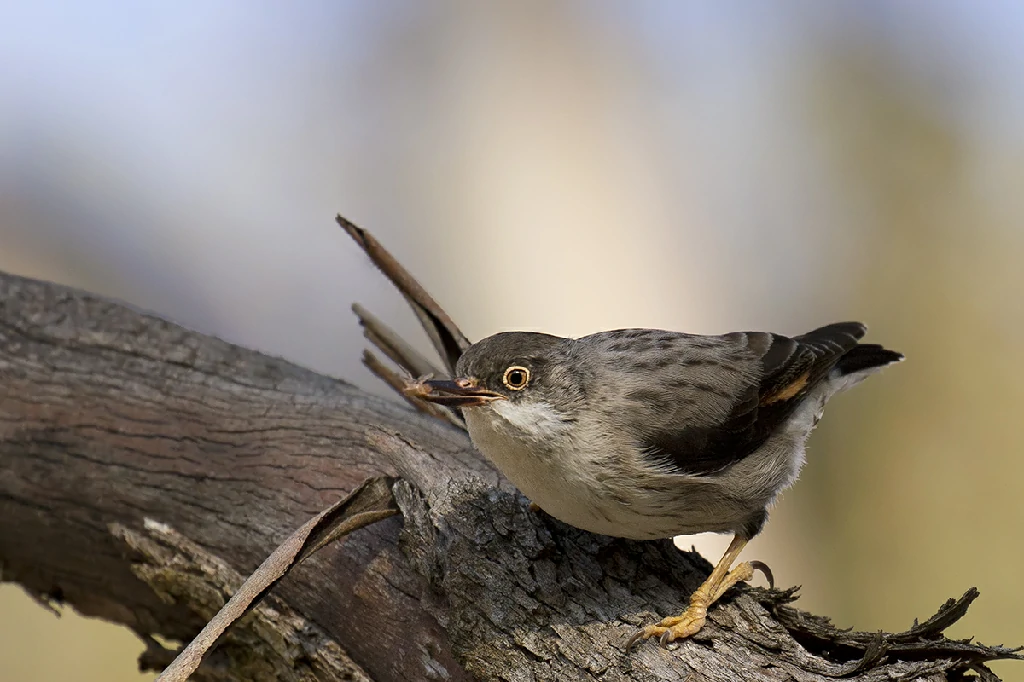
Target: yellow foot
{"points": [[671, 629], [692, 620], [534, 507]]}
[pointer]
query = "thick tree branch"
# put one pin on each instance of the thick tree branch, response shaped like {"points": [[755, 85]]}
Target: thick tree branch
{"points": [[109, 417]]}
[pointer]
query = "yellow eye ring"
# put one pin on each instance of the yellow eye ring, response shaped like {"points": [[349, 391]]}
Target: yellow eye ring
{"points": [[516, 378]]}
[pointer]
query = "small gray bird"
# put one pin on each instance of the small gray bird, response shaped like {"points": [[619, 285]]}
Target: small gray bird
{"points": [[642, 433]]}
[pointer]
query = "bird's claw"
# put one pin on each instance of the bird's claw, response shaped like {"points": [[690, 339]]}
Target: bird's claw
{"points": [[671, 629], [714, 588], [767, 572], [666, 640], [646, 633], [637, 636]]}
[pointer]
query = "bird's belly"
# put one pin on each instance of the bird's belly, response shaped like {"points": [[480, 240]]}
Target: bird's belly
{"points": [[577, 490]]}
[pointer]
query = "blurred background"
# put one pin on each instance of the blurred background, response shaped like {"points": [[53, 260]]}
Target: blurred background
{"points": [[570, 167]]}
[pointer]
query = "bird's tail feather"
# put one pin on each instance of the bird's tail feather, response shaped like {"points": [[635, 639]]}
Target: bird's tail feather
{"points": [[866, 356]]}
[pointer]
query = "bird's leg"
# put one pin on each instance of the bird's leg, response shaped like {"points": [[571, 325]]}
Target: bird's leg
{"points": [[717, 584]]}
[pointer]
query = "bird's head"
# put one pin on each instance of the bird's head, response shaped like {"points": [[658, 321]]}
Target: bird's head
{"points": [[525, 377]]}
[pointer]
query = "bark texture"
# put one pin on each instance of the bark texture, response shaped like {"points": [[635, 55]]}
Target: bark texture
{"points": [[147, 468]]}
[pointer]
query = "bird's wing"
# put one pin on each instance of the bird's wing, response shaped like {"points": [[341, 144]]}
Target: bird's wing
{"points": [[732, 418]]}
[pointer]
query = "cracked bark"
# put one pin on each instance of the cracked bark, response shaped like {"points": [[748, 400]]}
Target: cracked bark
{"points": [[109, 417]]}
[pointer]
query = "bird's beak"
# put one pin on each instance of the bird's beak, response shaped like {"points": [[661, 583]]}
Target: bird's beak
{"points": [[454, 393]]}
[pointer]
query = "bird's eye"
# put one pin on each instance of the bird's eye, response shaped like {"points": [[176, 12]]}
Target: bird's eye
{"points": [[516, 378]]}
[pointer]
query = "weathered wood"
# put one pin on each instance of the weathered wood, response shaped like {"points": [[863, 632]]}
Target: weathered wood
{"points": [[111, 416], [371, 502]]}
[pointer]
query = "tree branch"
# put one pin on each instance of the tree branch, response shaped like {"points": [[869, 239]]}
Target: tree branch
{"points": [[109, 416]]}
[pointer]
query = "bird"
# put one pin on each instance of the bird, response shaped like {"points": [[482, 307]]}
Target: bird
{"points": [[648, 434]]}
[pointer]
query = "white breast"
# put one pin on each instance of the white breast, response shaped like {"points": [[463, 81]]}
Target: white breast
{"points": [[535, 467], [550, 469]]}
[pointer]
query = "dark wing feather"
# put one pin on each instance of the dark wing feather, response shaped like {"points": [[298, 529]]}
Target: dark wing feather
{"points": [[789, 368]]}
